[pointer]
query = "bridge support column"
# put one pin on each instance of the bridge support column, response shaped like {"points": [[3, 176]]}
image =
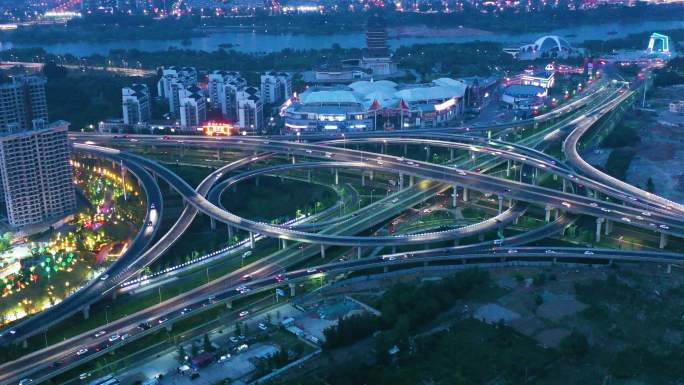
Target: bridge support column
{"points": [[465, 194], [405, 149], [394, 249], [86, 312], [500, 203], [451, 155], [401, 181], [230, 232], [293, 289], [663, 240], [608, 228], [169, 327], [358, 252], [454, 196], [427, 153], [212, 223], [480, 237], [370, 175], [508, 168], [411, 180], [337, 176], [457, 242], [363, 178], [229, 305], [24, 343], [294, 159], [599, 221], [308, 175], [565, 184], [547, 213], [283, 243], [218, 153], [323, 251], [256, 180], [251, 240], [385, 269]]}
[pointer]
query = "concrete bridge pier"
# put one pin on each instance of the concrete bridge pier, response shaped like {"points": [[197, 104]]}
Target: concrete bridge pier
{"points": [[363, 178], [24, 343], [293, 289], [454, 196], [501, 199], [401, 181], [457, 242], [508, 168], [405, 149], [256, 180], [169, 327], [337, 176], [218, 153], [451, 154], [663, 240], [212, 223], [323, 251], [308, 175], [229, 305], [411, 180], [358, 252], [370, 175], [385, 269], [86, 312], [547, 213], [465, 194], [283, 244], [251, 240], [608, 228], [394, 249], [230, 232], [427, 153], [294, 159], [599, 221], [565, 184]]}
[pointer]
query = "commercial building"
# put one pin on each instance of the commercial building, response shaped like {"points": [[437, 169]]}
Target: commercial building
{"points": [[36, 174], [677, 107], [544, 79], [383, 104], [523, 97], [22, 101], [660, 46], [250, 110], [192, 108], [136, 104], [276, 87]]}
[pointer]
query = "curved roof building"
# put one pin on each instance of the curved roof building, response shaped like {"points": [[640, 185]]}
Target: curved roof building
{"points": [[358, 105], [550, 46]]}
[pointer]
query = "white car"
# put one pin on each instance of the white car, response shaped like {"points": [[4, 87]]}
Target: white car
{"points": [[114, 337], [82, 352], [26, 381], [566, 204], [593, 204], [262, 326], [243, 313], [664, 227], [588, 252], [549, 252], [100, 333], [512, 251], [83, 376], [104, 277], [626, 219]]}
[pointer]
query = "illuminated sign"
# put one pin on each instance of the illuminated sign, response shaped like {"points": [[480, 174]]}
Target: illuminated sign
{"points": [[218, 128]]}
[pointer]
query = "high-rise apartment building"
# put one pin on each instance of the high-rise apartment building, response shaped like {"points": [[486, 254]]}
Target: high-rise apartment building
{"points": [[250, 110], [22, 100], [187, 76], [193, 107], [36, 174], [275, 87], [136, 104]]}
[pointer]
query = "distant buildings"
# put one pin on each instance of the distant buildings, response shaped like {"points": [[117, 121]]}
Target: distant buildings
{"points": [[223, 87], [545, 79], [659, 45], [376, 105], [186, 76], [546, 47], [523, 97], [276, 87], [136, 104], [677, 107]]}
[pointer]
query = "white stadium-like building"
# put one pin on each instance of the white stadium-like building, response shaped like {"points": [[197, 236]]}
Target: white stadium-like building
{"points": [[371, 105], [550, 46]]}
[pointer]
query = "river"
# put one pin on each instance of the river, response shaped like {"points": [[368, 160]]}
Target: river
{"points": [[263, 42]]}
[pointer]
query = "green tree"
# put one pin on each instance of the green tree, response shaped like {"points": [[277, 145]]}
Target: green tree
{"points": [[650, 186], [208, 347], [194, 349], [181, 354], [574, 345]]}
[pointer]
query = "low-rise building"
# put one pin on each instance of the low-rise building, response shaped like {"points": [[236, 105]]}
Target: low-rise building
{"points": [[523, 97]]}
